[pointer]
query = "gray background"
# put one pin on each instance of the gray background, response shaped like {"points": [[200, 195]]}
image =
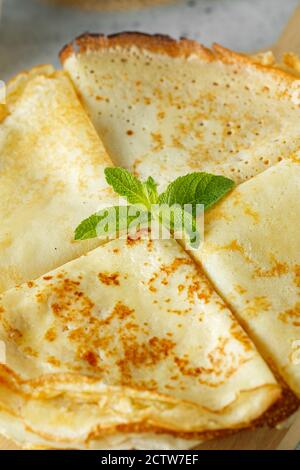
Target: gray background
{"points": [[32, 31]]}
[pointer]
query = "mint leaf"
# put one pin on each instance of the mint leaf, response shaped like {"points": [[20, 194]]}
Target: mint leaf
{"points": [[196, 188], [87, 228], [127, 185], [112, 221], [150, 186]]}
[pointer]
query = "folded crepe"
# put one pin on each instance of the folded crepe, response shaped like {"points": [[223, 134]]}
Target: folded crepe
{"points": [[251, 253], [165, 108], [51, 175], [127, 345]]}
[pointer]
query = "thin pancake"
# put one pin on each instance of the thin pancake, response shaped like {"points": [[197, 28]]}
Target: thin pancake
{"points": [[51, 175], [165, 108], [251, 253], [13, 427], [130, 336]]}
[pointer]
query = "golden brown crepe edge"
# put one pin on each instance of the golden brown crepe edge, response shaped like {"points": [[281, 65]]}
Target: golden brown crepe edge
{"points": [[31, 388], [100, 432], [184, 48]]}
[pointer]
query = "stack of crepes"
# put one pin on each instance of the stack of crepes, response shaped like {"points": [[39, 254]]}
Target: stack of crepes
{"points": [[138, 343]]}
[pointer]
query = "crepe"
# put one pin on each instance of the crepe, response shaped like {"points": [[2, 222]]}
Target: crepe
{"points": [[127, 342], [290, 62], [51, 175], [16, 430], [166, 108], [251, 253]]}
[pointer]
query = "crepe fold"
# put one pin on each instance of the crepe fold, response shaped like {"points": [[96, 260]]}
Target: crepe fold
{"points": [[251, 253], [51, 175], [166, 108], [129, 343]]}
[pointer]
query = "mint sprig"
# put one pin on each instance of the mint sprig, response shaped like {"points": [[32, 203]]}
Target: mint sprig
{"points": [[175, 208]]}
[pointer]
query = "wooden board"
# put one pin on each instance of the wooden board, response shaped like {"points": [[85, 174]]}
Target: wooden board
{"points": [[289, 41], [260, 439], [108, 5]]}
